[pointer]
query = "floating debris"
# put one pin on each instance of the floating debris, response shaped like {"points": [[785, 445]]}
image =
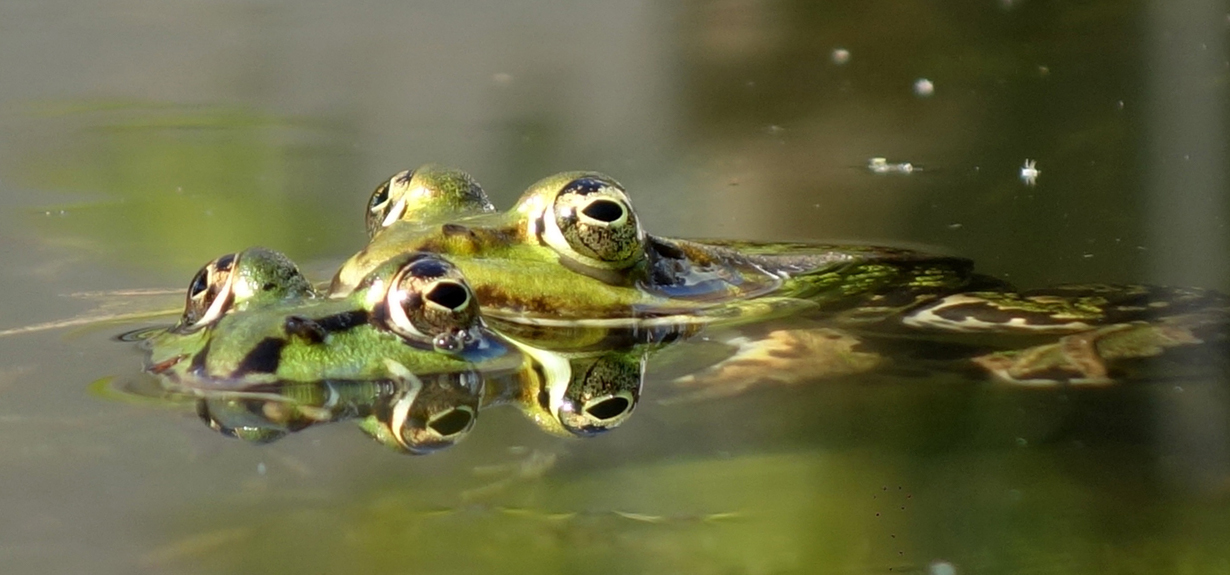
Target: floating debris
{"points": [[882, 166], [840, 56], [923, 88], [1030, 172]]}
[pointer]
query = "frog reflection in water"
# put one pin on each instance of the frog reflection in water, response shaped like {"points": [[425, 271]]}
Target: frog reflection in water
{"points": [[571, 258], [407, 356]]}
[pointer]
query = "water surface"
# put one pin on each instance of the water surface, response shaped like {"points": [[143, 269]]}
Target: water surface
{"points": [[139, 139]]}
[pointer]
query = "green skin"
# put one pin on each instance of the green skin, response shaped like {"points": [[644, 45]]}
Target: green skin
{"points": [[275, 331], [267, 357], [544, 286]]}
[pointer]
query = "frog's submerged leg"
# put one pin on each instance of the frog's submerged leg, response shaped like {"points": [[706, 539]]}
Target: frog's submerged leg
{"points": [[783, 357], [1091, 357], [1099, 328]]}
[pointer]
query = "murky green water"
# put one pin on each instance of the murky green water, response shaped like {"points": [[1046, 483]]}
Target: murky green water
{"points": [[139, 139]]}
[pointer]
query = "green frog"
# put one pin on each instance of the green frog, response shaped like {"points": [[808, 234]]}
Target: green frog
{"points": [[570, 261], [252, 318], [408, 356]]}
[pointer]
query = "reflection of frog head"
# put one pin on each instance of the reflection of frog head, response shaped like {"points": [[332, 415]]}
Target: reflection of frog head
{"points": [[425, 414], [581, 394], [410, 413]]}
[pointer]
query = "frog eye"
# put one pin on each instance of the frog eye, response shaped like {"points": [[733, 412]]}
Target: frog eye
{"points": [[591, 221], [386, 204], [431, 415], [429, 299], [235, 281], [209, 293], [428, 191], [426, 432], [603, 396]]}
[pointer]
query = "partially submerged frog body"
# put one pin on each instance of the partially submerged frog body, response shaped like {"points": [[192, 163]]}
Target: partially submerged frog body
{"points": [[571, 256], [1070, 335], [578, 394], [415, 311]]}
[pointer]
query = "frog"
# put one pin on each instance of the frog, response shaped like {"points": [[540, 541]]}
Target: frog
{"points": [[570, 256], [252, 317], [409, 359]]}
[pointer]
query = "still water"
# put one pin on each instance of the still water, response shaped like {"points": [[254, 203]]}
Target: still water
{"points": [[139, 139]]}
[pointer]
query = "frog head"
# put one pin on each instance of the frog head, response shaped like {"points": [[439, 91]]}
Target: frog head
{"points": [[415, 309], [429, 192]]}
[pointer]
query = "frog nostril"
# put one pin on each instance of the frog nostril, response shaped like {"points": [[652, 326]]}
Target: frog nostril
{"points": [[608, 408], [607, 211], [448, 294]]}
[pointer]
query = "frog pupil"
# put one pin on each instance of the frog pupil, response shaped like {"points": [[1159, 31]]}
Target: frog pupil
{"points": [[604, 211], [450, 295], [380, 197], [451, 423], [224, 263], [199, 284], [608, 408]]}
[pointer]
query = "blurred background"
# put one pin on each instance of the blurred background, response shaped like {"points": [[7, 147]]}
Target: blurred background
{"points": [[139, 139]]}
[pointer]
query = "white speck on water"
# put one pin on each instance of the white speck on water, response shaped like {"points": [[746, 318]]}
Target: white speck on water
{"points": [[1178, 389], [1043, 70], [923, 88], [260, 468], [941, 568], [501, 79], [1119, 104], [841, 56], [775, 129], [954, 226], [1022, 442], [882, 166], [1086, 255], [1030, 172]]}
